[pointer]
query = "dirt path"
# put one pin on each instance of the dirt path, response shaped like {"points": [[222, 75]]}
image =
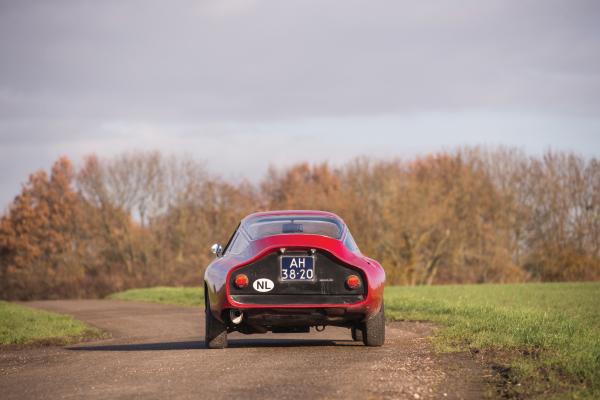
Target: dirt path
{"points": [[157, 352]]}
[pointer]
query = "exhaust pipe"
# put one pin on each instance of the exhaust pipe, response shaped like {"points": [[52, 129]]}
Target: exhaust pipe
{"points": [[236, 316]]}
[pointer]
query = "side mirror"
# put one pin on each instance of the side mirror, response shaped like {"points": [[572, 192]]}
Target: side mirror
{"points": [[216, 249]]}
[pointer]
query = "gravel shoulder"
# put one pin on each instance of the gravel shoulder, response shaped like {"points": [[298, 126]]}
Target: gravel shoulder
{"points": [[157, 351]]}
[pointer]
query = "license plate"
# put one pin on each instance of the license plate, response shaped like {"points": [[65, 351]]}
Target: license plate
{"points": [[297, 268]]}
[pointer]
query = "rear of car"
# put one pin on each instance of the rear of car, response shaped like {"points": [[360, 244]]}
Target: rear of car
{"points": [[289, 272]]}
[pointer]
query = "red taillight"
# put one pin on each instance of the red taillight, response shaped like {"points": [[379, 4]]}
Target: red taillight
{"points": [[353, 282], [241, 281]]}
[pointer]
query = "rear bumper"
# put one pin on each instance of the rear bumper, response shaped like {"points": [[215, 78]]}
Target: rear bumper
{"points": [[295, 300], [352, 303]]}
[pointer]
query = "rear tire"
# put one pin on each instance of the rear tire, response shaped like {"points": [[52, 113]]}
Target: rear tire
{"points": [[215, 333], [357, 334], [373, 333]]}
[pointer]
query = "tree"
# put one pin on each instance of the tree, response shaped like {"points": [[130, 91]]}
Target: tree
{"points": [[39, 239], [143, 219]]}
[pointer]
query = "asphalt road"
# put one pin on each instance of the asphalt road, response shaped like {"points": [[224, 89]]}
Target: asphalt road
{"points": [[157, 352]]}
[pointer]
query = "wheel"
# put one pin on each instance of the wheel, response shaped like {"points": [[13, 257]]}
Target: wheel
{"points": [[373, 333], [215, 334], [357, 335]]}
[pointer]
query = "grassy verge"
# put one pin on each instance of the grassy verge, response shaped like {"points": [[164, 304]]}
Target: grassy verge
{"points": [[185, 296], [548, 334], [20, 325]]}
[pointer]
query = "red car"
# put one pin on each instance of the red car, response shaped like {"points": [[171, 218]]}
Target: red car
{"points": [[288, 271]]}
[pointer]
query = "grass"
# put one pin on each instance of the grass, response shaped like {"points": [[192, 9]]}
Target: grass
{"points": [[20, 325], [184, 296], [547, 334]]}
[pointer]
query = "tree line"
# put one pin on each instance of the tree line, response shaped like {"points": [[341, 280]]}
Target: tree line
{"points": [[139, 219]]}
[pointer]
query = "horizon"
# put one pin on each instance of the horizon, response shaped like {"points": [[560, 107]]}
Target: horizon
{"points": [[585, 148]]}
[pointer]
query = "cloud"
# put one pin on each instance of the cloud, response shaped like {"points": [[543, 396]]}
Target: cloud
{"points": [[107, 76], [266, 60]]}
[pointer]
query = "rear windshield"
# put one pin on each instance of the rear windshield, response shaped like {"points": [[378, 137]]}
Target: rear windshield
{"points": [[262, 227]]}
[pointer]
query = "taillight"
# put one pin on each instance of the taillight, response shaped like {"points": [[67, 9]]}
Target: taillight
{"points": [[353, 282], [241, 281]]}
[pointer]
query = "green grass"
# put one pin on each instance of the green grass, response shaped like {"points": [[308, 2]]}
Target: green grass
{"points": [[549, 334], [185, 296], [20, 325]]}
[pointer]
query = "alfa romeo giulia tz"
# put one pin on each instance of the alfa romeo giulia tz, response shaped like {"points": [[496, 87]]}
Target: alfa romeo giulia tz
{"points": [[288, 271]]}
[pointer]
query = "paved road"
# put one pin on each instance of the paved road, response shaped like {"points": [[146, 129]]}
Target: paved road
{"points": [[157, 352]]}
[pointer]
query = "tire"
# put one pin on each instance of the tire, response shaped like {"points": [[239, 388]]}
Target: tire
{"points": [[215, 334], [357, 335], [373, 333]]}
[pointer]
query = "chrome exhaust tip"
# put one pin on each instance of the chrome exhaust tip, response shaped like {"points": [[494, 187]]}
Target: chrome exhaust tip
{"points": [[236, 316]]}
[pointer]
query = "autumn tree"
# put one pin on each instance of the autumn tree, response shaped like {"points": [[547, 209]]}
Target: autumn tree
{"points": [[39, 237]]}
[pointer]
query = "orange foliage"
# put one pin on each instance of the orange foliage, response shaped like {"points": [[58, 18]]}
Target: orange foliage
{"points": [[142, 219]]}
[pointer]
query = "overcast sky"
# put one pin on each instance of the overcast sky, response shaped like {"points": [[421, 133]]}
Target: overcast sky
{"points": [[244, 84]]}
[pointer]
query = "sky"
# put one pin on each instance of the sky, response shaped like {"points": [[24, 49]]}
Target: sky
{"points": [[241, 85]]}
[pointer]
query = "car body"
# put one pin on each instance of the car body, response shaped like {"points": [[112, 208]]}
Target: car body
{"points": [[288, 271]]}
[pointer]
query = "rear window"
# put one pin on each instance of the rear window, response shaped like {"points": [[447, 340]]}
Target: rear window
{"points": [[263, 227]]}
